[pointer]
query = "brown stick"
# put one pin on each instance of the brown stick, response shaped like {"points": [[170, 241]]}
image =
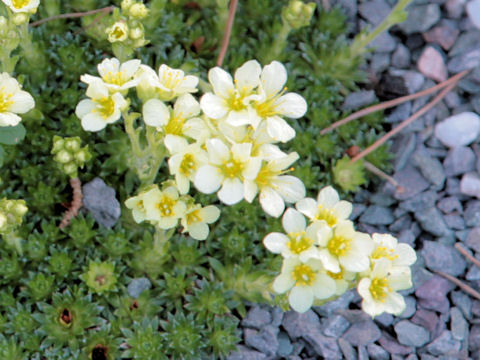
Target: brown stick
{"points": [[404, 123], [392, 103], [228, 31], [72, 15], [465, 253], [373, 169], [460, 284], [76, 204], [92, 23]]}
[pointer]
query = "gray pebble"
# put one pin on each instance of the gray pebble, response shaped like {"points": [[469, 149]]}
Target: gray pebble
{"points": [[449, 205], [357, 210], [431, 220], [443, 344], [374, 11], [473, 273], [244, 353], [277, 316], [323, 345], [466, 42], [427, 319], [380, 62], [407, 236], [411, 307], [463, 302], [439, 257], [347, 349], [335, 326], [401, 57], [403, 147], [257, 318], [472, 213], [384, 319], [400, 113], [297, 324], [464, 61], [473, 239], [384, 43], [433, 293], [362, 333], [421, 18], [412, 182], [459, 161], [458, 324], [403, 222], [137, 286], [377, 215], [474, 338], [264, 341], [454, 222], [99, 199], [462, 234], [341, 302], [285, 347], [410, 334], [359, 99], [393, 346], [362, 353], [413, 80], [420, 202], [377, 352], [430, 167]]}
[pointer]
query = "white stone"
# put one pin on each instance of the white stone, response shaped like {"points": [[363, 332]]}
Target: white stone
{"points": [[473, 11], [470, 184], [458, 130]]}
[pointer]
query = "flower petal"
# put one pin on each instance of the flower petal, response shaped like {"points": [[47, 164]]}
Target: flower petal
{"points": [[283, 283], [248, 75], [279, 129], [231, 191], [93, 122], [271, 201], [274, 77], [301, 298], [293, 221], [221, 81], [208, 179], [275, 242], [291, 105], [155, 113], [290, 188]]}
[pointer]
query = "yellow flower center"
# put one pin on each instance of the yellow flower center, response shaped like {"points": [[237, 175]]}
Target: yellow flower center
{"points": [[187, 166], [339, 245], [303, 275], [327, 215], [299, 242], [384, 252], [337, 276], [166, 206], [194, 217], [117, 78], [18, 4], [268, 107], [118, 33], [140, 205], [175, 125], [265, 176], [105, 107], [171, 78], [379, 288], [5, 101], [232, 169]]}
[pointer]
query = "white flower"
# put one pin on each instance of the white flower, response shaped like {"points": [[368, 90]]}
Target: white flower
{"points": [[272, 103], [118, 32], [115, 76], [136, 204], [231, 98], [343, 280], [328, 207], [300, 240], [196, 219], [13, 101], [164, 208], [22, 6], [176, 121], [387, 247], [275, 187], [168, 84], [186, 159], [346, 247], [227, 168], [306, 282], [379, 289], [103, 108]]}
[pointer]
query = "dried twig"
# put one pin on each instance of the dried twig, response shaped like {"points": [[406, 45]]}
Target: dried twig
{"points": [[92, 23], [72, 15], [404, 123], [228, 31], [76, 204], [465, 253], [460, 284], [373, 169], [392, 103]]}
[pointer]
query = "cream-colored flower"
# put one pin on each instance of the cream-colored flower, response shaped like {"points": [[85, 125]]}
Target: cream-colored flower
{"points": [[328, 207], [306, 282], [116, 76], [137, 205], [184, 161], [343, 246], [300, 240], [196, 219], [227, 168], [343, 280], [272, 104], [166, 85], [118, 32], [164, 208], [101, 109], [22, 6], [387, 247], [13, 101], [231, 97], [379, 289], [275, 187]]}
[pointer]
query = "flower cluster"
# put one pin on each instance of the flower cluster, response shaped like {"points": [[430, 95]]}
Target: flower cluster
{"points": [[13, 101], [327, 256], [11, 215], [69, 154]]}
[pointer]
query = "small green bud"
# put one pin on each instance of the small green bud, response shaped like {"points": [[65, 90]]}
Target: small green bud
{"points": [[72, 144], [63, 157], [3, 222], [100, 277], [58, 144], [138, 11], [126, 4], [3, 23], [20, 208], [70, 169], [20, 19], [136, 33], [297, 14], [81, 156], [348, 175]]}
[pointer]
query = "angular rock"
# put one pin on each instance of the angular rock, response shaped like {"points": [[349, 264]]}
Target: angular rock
{"points": [[473, 239], [335, 326], [409, 334], [466, 42], [377, 352], [403, 147], [401, 57], [474, 338], [472, 213], [264, 341], [458, 324], [432, 65], [473, 12], [412, 182], [374, 11], [427, 319], [137, 286], [333, 306], [421, 18], [297, 324], [450, 204], [433, 294], [402, 222], [359, 99], [430, 167], [458, 130], [99, 199], [463, 302], [473, 274], [412, 80], [459, 161], [362, 333], [377, 215], [392, 346], [439, 257], [443, 344], [257, 318], [444, 34], [323, 345], [455, 8], [384, 319], [420, 202], [348, 351], [244, 353], [410, 308], [467, 61], [454, 222], [470, 184], [431, 220], [285, 347], [380, 62]]}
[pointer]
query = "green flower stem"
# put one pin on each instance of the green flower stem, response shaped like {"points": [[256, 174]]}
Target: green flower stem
{"points": [[7, 62], [14, 241], [396, 16], [279, 43], [129, 120], [160, 240]]}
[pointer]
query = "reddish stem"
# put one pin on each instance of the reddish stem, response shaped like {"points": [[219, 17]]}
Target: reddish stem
{"points": [[228, 32], [76, 204]]}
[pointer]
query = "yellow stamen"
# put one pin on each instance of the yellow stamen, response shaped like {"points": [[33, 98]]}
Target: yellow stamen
{"points": [[303, 275], [187, 166], [5, 101], [165, 205], [339, 246], [117, 78], [383, 251], [327, 215], [18, 4], [105, 107], [193, 217], [232, 169], [379, 288], [299, 242]]}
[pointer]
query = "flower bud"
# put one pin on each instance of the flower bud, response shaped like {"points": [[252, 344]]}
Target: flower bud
{"points": [[81, 156], [138, 11], [72, 144], [118, 32], [136, 33], [63, 157], [297, 14], [3, 222], [70, 169], [58, 144], [20, 208], [20, 18], [126, 4], [3, 23]]}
